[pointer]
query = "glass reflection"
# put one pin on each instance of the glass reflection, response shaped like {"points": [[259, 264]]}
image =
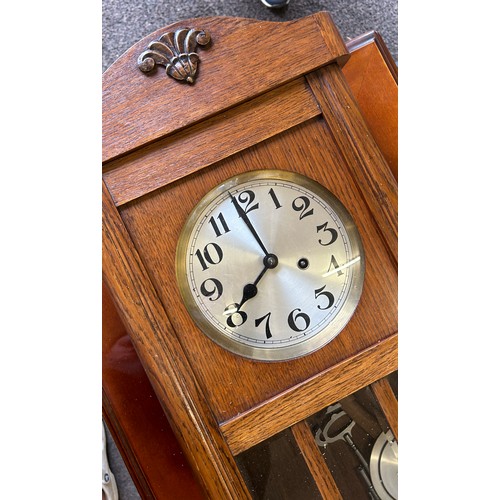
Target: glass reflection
{"points": [[275, 469], [358, 446]]}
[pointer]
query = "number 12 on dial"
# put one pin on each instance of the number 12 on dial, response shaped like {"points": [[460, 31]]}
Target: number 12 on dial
{"points": [[270, 265]]}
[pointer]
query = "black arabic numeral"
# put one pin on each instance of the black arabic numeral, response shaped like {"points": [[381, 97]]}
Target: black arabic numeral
{"points": [[334, 263], [301, 204], [292, 320], [277, 204], [319, 292], [266, 317], [212, 253], [214, 287], [215, 225], [237, 318], [333, 234], [247, 198]]}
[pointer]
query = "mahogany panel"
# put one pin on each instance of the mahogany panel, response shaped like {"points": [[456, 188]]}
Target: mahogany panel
{"points": [[164, 161], [155, 221], [136, 419], [234, 68], [364, 72]]}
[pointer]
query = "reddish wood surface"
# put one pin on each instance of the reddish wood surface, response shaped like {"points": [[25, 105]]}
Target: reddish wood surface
{"points": [[364, 72], [128, 421], [136, 419]]}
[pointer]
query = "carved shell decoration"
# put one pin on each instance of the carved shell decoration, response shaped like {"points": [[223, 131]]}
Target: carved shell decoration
{"points": [[175, 51]]}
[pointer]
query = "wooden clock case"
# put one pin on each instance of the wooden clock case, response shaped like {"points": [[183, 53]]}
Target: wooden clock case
{"points": [[267, 95]]}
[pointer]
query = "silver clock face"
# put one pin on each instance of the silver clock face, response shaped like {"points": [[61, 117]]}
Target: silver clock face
{"points": [[270, 265]]}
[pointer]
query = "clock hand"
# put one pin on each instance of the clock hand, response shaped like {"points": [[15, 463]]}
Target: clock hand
{"points": [[246, 220], [250, 289]]}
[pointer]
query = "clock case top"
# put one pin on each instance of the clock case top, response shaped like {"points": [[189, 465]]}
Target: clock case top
{"points": [[165, 144]]}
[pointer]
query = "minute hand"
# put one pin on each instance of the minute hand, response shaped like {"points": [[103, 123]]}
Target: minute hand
{"points": [[246, 220]]}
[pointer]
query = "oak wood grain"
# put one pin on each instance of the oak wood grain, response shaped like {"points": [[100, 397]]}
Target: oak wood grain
{"points": [[246, 58], [159, 352], [359, 149], [291, 406], [164, 161], [315, 461], [388, 403], [155, 221], [199, 385], [155, 462]]}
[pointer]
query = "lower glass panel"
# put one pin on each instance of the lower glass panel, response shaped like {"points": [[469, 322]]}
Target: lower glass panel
{"points": [[358, 446], [275, 469], [353, 437]]}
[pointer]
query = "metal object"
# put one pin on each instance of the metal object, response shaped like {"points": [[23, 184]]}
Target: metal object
{"points": [[289, 311], [384, 466], [323, 438], [109, 487], [175, 51]]}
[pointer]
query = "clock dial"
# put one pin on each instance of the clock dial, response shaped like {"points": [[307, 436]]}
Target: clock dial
{"points": [[270, 265]]}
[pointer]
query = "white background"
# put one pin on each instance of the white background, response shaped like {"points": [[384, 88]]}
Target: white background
{"points": [[51, 250]]}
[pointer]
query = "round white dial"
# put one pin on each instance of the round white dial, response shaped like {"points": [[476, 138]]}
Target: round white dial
{"points": [[270, 265]]}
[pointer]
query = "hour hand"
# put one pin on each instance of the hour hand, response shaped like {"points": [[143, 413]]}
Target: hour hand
{"points": [[250, 289], [247, 221], [249, 292]]}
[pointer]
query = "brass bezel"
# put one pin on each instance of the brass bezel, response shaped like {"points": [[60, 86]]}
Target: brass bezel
{"points": [[272, 353]]}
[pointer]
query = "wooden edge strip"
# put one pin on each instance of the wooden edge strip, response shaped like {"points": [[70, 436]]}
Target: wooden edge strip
{"points": [[163, 162], [164, 360], [332, 38], [388, 403], [355, 142], [315, 461], [299, 402], [389, 60]]}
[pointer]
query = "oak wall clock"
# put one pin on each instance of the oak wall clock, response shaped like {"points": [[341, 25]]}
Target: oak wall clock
{"points": [[249, 232]]}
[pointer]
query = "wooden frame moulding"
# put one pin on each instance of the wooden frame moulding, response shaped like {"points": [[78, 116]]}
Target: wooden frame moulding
{"points": [[315, 461], [366, 162], [181, 399], [164, 161], [388, 403], [312, 395]]}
